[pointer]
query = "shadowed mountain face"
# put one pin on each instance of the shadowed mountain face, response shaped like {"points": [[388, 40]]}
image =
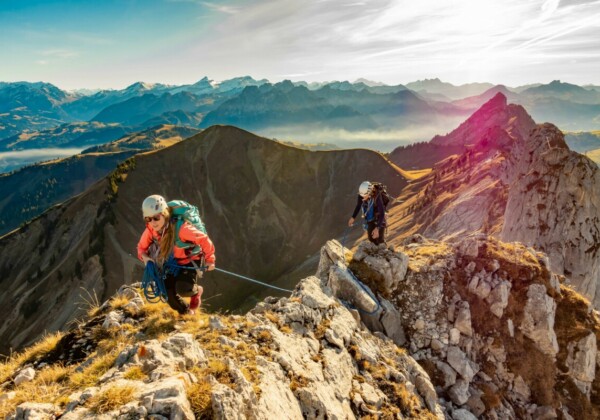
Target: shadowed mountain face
{"points": [[156, 137], [73, 135], [29, 191], [267, 207]]}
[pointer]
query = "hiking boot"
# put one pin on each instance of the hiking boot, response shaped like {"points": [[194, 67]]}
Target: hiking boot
{"points": [[195, 300]]}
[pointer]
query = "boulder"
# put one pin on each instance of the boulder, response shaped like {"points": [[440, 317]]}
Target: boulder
{"points": [[168, 398], [498, 298], [113, 320], [463, 414], [461, 363], [391, 322], [448, 375], [459, 392], [25, 375], [36, 411], [331, 254], [538, 319], [347, 287], [581, 361], [463, 319]]}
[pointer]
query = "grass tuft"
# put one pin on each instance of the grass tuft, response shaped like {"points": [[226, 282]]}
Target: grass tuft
{"points": [[199, 395], [111, 398]]}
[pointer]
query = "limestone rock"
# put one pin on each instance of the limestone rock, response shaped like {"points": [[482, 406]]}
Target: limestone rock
{"points": [[581, 361], [521, 389], [427, 391], [345, 287], [36, 411], [331, 254], [462, 414], [25, 375], [459, 392], [168, 397], [448, 374], [463, 319], [281, 400], [498, 298], [392, 323], [538, 319], [461, 363], [113, 320]]}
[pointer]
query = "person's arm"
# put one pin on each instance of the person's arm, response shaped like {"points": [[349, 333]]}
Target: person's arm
{"points": [[143, 245], [189, 233], [356, 210]]}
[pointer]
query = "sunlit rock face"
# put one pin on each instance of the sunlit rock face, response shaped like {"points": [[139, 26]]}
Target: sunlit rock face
{"points": [[554, 205], [498, 334], [302, 356], [519, 182]]}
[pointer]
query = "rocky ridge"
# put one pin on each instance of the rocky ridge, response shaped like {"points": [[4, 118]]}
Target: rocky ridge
{"points": [[498, 333], [517, 185], [306, 356], [495, 333]]}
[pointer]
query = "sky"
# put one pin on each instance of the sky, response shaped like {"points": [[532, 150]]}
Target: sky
{"points": [[114, 43]]}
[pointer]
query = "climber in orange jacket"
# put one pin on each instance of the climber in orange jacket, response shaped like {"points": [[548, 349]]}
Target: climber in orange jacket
{"points": [[158, 242]]}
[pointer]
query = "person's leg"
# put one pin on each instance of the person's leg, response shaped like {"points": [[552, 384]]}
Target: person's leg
{"points": [[175, 301], [186, 286], [370, 227], [186, 283], [381, 238]]}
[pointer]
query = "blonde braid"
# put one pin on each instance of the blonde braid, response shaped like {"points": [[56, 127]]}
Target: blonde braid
{"points": [[167, 240]]}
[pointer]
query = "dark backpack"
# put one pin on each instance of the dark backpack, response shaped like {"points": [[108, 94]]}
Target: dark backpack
{"points": [[186, 212], [381, 189]]}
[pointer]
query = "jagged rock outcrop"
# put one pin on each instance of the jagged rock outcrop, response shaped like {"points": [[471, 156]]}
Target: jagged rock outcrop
{"points": [[519, 182], [491, 324], [554, 205], [306, 356]]}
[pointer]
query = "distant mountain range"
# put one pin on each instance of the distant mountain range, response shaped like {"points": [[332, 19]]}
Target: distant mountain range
{"points": [[28, 192], [397, 114]]}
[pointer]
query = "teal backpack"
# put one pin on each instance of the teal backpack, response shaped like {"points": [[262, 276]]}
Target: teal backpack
{"points": [[186, 212]]}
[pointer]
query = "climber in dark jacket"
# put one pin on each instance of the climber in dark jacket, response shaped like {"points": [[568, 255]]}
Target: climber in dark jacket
{"points": [[373, 212]]}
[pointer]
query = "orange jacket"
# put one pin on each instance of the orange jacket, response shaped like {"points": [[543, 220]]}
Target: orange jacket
{"points": [[187, 233]]}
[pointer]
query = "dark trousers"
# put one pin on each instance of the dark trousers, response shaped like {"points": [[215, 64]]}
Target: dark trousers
{"points": [[371, 226], [184, 284]]}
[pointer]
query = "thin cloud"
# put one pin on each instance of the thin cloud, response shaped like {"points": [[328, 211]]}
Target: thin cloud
{"points": [[230, 10], [59, 53], [591, 21]]}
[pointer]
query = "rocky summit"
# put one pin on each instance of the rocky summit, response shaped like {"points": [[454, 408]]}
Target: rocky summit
{"points": [[518, 182], [475, 328]]}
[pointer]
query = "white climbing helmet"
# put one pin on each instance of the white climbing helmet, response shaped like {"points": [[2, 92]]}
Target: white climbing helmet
{"points": [[153, 205], [365, 188]]}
